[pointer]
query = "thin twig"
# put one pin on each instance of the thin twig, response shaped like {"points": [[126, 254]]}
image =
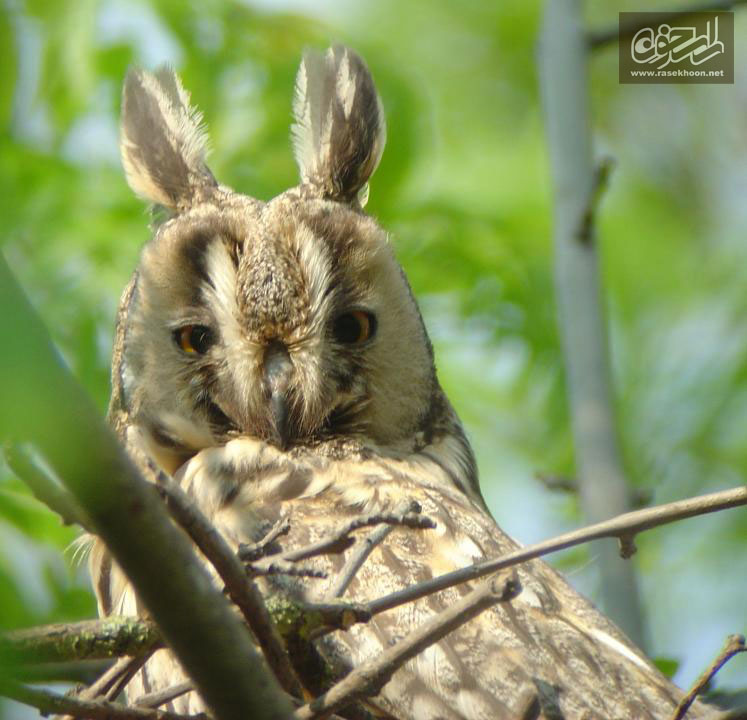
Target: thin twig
{"points": [[358, 556], [27, 465], [283, 567], [114, 680], [250, 552], [363, 549], [111, 683], [624, 526], [87, 640], [48, 702], [161, 697], [368, 678], [733, 646], [600, 38], [240, 587], [340, 540]]}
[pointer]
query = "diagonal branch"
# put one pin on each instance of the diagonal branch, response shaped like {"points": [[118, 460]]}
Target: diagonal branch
{"points": [[249, 552], [623, 527], [365, 547], [161, 697], [733, 646], [114, 680], [48, 702], [368, 679], [241, 589]]}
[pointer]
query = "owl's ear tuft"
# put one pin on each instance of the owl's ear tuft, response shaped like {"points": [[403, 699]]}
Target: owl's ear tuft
{"points": [[339, 130], [162, 143]]}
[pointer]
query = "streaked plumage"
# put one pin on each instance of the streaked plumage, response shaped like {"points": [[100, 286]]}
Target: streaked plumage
{"points": [[272, 358]]}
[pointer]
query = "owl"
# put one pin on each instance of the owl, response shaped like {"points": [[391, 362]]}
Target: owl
{"points": [[271, 358]]}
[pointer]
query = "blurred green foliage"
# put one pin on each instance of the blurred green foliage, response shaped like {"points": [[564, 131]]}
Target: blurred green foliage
{"points": [[463, 187]]}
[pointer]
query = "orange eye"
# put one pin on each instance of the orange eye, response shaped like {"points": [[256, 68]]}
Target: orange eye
{"points": [[355, 327], [194, 339]]}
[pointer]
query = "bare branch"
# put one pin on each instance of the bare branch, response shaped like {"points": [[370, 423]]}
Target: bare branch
{"points": [[733, 646], [254, 551], [156, 699], [368, 679], [625, 526], [240, 587], [606, 36], [48, 702], [87, 640], [365, 547], [114, 680], [341, 540], [357, 557], [283, 567]]}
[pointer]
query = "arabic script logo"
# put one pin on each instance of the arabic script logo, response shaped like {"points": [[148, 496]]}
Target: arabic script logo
{"points": [[671, 45]]}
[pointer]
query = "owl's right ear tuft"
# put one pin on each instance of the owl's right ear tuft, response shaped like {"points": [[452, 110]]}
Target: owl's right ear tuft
{"points": [[162, 143], [339, 130]]}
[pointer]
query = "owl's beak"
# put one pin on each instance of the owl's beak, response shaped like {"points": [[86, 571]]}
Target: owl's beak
{"points": [[278, 370]]}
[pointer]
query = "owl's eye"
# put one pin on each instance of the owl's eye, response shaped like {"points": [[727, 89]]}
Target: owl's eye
{"points": [[194, 339], [355, 327]]}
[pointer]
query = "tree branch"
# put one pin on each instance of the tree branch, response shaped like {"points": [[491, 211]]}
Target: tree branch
{"points": [[365, 547], [114, 680], [733, 646], [341, 540], [156, 699], [48, 702], [622, 527], [239, 586], [88, 640], [46, 407], [368, 679]]}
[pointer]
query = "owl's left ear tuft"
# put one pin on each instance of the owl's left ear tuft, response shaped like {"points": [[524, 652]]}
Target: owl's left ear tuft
{"points": [[162, 143], [339, 131]]}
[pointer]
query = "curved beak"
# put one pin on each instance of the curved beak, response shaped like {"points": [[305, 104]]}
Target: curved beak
{"points": [[278, 370]]}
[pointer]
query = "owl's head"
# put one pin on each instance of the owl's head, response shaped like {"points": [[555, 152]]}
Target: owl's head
{"points": [[290, 320]]}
